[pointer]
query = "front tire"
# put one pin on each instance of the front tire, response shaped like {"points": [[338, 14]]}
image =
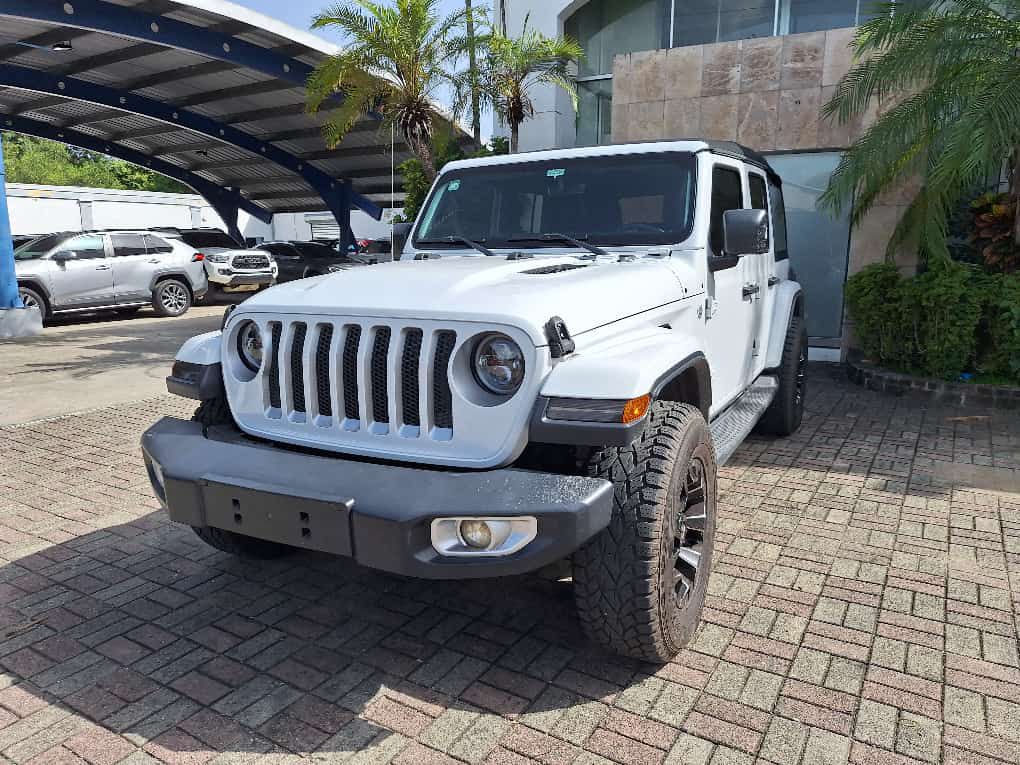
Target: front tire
{"points": [[785, 413], [32, 299], [212, 412], [171, 298], [640, 584]]}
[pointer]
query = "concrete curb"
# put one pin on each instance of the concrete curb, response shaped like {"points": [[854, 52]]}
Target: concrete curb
{"points": [[942, 391]]}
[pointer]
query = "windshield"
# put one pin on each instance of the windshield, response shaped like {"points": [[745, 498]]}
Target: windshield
{"points": [[36, 248], [629, 199], [200, 239]]}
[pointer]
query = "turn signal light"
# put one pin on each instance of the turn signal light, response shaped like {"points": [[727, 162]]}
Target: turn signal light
{"points": [[197, 257], [636, 408]]}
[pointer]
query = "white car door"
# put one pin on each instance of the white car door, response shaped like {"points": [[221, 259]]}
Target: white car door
{"points": [[83, 280], [132, 268], [731, 323]]}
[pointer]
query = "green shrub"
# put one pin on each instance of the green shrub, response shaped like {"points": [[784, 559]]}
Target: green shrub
{"points": [[876, 299], [926, 324], [945, 307], [999, 354]]}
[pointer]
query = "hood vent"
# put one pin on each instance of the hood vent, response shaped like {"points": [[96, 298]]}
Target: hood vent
{"points": [[554, 269]]}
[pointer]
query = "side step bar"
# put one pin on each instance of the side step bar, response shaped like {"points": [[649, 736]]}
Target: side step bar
{"points": [[734, 424]]}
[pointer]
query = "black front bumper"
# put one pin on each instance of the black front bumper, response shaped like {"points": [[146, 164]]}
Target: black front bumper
{"points": [[378, 514]]}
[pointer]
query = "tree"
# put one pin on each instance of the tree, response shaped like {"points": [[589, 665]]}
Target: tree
{"points": [[36, 160], [396, 60], [518, 65], [952, 69], [472, 73]]}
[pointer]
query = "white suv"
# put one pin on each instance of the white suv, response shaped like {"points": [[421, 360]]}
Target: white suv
{"points": [[228, 265], [571, 345], [119, 270]]}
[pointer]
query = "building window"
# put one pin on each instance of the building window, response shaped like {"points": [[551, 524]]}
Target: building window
{"points": [[594, 111], [694, 22], [606, 28]]}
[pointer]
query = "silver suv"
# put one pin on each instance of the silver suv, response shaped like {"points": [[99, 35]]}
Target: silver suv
{"points": [[120, 270]]}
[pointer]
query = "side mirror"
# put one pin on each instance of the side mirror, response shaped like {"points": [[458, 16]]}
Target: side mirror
{"points": [[62, 256], [400, 233], [745, 232]]}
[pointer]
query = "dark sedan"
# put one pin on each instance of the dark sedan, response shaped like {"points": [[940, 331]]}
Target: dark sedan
{"points": [[299, 260]]}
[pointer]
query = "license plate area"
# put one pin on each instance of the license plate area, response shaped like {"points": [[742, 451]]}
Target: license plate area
{"points": [[307, 523]]}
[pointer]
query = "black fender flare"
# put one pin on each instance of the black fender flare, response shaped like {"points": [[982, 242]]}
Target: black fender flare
{"points": [[689, 379]]}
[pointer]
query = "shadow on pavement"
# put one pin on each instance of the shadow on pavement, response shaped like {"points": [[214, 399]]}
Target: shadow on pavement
{"points": [[141, 631]]}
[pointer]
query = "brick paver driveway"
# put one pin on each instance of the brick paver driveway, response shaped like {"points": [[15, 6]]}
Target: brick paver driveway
{"points": [[864, 606]]}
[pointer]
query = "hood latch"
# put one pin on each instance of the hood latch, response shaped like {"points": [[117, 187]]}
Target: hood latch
{"points": [[560, 342]]}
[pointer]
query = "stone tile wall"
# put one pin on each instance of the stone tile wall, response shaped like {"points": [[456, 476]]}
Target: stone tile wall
{"points": [[766, 93]]}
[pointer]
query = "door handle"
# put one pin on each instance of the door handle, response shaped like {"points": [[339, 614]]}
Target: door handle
{"points": [[154, 261], [103, 268], [750, 290]]}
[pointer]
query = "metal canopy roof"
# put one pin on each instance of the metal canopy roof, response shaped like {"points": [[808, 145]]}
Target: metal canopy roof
{"points": [[204, 91]]}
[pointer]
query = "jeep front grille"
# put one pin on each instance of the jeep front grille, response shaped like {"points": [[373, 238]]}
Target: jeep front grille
{"points": [[370, 375], [250, 261]]}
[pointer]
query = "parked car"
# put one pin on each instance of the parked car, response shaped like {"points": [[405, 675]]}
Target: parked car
{"points": [[19, 239], [229, 265], [299, 260], [572, 343], [119, 270]]}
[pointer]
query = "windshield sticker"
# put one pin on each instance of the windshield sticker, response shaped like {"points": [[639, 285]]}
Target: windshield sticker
{"points": [[454, 185], [558, 172]]}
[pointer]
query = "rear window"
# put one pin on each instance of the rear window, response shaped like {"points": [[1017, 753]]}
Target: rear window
{"points": [[200, 239], [155, 244]]}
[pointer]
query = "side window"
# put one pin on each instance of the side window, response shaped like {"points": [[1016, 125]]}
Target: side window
{"points": [[125, 245], [153, 244], [778, 221], [759, 197], [727, 194], [85, 247]]}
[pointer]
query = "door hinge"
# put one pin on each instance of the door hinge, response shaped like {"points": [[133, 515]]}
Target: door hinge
{"points": [[774, 280], [750, 290]]}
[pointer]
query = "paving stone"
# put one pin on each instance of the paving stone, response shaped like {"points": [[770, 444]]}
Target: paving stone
{"points": [[828, 634]]}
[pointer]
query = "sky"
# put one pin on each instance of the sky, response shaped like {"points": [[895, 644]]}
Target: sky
{"points": [[299, 13]]}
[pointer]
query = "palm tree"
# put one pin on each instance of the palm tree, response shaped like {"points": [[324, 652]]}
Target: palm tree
{"points": [[517, 65], [472, 73], [396, 61], [953, 71]]}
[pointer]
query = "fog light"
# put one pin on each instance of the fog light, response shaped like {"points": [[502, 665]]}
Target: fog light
{"points": [[476, 534], [482, 537]]}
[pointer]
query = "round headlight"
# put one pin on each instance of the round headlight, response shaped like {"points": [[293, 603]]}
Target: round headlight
{"points": [[249, 345], [499, 364]]}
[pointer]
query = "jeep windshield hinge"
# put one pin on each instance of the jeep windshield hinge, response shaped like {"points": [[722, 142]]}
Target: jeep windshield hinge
{"points": [[560, 342]]}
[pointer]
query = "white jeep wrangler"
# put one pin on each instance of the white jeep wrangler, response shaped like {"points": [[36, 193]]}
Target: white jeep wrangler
{"points": [[571, 344]]}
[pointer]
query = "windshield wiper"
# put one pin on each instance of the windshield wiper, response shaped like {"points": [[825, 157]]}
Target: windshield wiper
{"points": [[463, 240], [551, 237]]}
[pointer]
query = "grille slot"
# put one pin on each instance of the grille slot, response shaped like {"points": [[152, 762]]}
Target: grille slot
{"points": [[380, 396], [322, 386], [297, 370], [350, 372], [442, 399], [274, 365], [409, 361]]}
